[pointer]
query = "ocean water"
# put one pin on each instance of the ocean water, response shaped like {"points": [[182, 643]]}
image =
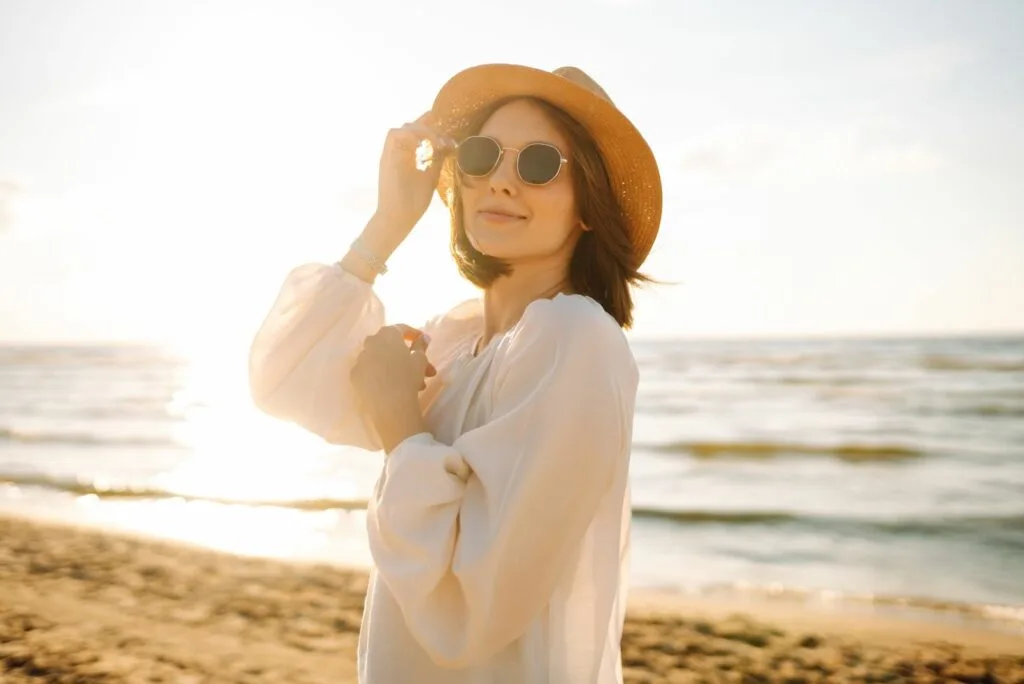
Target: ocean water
{"points": [[884, 472]]}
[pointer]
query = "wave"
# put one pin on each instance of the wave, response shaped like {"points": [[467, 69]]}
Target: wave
{"points": [[81, 438], [1012, 522], [957, 363], [80, 487], [128, 408], [828, 380], [724, 517], [126, 355], [991, 614], [1002, 531], [992, 411], [853, 453]]}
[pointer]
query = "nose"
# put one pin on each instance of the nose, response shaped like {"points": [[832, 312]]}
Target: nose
{"points": [[504, 179]]}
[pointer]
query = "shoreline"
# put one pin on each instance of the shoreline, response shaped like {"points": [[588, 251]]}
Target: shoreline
{"points": [[79, 604]]}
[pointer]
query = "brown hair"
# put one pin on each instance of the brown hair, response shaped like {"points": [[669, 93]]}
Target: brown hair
{"points": [[604, 263]]}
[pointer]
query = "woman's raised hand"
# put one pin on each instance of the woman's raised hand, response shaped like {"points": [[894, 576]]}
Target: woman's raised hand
{"points": [[404, 190]]}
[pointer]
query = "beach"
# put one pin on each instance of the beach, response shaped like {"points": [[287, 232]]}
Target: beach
{"points": [[84, 605]]}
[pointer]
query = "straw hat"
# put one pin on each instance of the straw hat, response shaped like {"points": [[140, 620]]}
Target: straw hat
{"points": [[632, 169]]}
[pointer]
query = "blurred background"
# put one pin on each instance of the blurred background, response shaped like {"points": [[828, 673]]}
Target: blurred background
{"points": [[832, 393]]}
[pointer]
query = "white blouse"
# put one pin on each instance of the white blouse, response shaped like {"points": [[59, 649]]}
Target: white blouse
{"points": [[500, 539]]}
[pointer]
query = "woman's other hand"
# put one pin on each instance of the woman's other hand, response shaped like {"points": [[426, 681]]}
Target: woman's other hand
{"points": [[388, 376]]}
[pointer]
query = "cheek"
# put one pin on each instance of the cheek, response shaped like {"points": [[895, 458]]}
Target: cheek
{"points": [[468, 204], [554, 208], [472, 186], [470, 196]]}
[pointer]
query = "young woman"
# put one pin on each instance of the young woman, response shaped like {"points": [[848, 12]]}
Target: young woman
{"points": [[499, 526]]}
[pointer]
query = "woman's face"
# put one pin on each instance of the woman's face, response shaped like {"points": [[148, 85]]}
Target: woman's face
{"points": [[511, 220]]}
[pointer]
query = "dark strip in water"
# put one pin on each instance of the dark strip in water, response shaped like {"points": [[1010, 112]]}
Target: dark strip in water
{"points": [[953, 363], [697, 517], [854, 453], [991, 411], [11, 435], [1013, 521], [1006, 531]]}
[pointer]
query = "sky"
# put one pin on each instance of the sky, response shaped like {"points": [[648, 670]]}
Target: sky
{"points": [[844, 168]]}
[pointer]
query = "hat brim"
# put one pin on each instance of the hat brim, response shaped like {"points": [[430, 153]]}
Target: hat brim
{"points": [[632, 167]]}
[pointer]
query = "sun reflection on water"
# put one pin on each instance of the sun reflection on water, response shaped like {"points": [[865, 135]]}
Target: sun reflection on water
{"points": [[272, 531], [246, 462], [238, 453]]}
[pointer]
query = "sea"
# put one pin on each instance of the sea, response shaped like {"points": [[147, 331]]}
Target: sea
{"points": [[883, 473]]}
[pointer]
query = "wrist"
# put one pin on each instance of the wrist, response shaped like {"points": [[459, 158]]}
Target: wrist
{"points": [[368, 255], [398, 421]]}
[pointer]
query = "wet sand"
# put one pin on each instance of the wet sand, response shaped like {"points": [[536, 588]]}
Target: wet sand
{"points": [[81, 606]]}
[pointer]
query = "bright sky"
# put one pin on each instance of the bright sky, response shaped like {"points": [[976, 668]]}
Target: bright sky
{"points": [[829, 168]]}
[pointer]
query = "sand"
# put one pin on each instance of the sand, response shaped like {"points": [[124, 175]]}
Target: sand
{"points": [[85, 606]]}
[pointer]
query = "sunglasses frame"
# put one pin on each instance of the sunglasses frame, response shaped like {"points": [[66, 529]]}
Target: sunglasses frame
{"points": [[501, 155]]}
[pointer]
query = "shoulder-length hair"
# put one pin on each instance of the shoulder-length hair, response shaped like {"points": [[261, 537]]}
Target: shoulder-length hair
{"points": [[604, 263]]}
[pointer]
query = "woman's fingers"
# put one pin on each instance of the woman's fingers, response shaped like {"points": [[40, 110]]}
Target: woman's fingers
{"points": [[419, 349], [421, 360], [409, 333], [409, 137], [418, 342], [385, 336]]}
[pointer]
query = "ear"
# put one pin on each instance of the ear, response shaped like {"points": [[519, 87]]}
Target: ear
{"points": [[584, 227]]}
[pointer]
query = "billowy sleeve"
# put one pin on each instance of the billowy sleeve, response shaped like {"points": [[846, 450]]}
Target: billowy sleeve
{"points": [[303, 353], [473, 538]]}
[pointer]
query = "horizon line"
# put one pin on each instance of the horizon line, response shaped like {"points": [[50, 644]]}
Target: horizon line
{"points": [[642, 338]]}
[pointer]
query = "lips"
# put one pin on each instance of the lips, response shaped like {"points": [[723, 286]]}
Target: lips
{"points": [[500, 213]]}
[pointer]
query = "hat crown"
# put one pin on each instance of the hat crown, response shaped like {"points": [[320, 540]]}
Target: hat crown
{"points": [[580, 78]]}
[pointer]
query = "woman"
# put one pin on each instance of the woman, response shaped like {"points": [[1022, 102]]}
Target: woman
{"points": [[499, 525]]}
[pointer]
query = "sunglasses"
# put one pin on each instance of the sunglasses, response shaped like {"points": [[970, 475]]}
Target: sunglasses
{"points": [[538, 163]]}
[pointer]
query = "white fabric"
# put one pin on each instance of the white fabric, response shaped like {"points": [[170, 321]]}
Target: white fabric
{"points": [[500, 540]]}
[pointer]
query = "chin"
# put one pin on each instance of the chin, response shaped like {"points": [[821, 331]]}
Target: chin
{"points": [[501, 243]]}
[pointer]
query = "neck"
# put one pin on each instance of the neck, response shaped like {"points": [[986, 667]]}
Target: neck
{"points": [[506, 299]]}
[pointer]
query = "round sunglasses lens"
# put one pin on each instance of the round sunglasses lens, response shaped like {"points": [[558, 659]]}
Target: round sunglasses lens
{"points": [[539, 163], [477, 156]]}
